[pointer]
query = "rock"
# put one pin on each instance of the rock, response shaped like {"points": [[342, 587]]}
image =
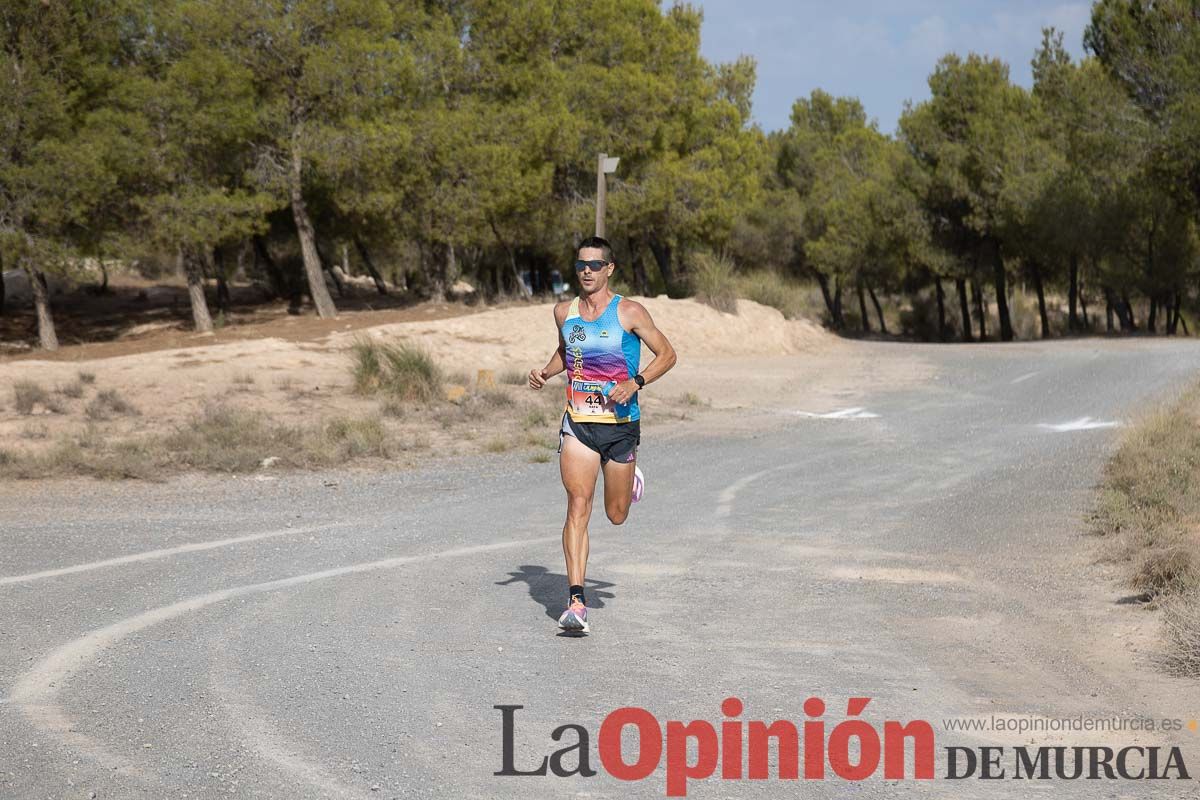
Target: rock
{"points": [[269, 461], [460, 289]]}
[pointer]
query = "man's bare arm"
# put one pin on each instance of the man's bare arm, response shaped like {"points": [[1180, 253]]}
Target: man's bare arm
{"points": [[558, 361], [637, 321]]}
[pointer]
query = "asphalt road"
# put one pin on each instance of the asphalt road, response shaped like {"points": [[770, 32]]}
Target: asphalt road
{"points": [[348, 635]]}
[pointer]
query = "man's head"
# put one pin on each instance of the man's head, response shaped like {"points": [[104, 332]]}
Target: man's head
{"points": [[594, 252]]}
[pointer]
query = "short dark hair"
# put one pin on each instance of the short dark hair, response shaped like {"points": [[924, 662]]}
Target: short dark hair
{"points": [[600, 243]]}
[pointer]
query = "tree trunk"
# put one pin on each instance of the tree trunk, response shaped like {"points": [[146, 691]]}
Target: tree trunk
{"points": [[451, 270], [862, 309], [1041, 296], [839, 318], [332, 268], [823, 282], [216, 262], [3, 289], [239, 272], [878, 311], [964, 310], [1108, 310], [1072, 294], [1176, 312], [437, 271], [1087, 325], [941, 304], [191, 266], [638, 263], [979, 311], [662, 256], [1128, 311], [1152, 318], [308, 237], [275, 277], [1006, 331], [41, 303], [365, 255], [512, 261]]}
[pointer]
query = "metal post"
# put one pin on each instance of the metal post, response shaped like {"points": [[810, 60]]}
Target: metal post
{"points": [[601, 193], [604, 166]]}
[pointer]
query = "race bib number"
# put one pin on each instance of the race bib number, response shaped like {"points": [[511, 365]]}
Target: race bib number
{"points": [[587, 397]]}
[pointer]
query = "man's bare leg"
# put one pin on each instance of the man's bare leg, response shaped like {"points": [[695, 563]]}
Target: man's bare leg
{"points": [[579, 466], [618, 490]]}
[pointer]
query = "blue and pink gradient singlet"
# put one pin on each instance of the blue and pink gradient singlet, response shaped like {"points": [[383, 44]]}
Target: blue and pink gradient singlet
{"points": [[600, 354]]}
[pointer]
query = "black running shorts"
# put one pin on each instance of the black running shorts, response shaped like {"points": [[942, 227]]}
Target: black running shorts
{"points": [[614, 441]]}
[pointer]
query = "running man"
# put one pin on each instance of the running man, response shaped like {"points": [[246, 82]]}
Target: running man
{"points": [[600, 336]]}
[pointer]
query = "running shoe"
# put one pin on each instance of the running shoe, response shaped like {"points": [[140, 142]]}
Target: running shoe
{"points": [[639, 484], [575, 617]]}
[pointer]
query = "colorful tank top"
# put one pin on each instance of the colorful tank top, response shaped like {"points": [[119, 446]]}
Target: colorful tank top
{"points": [[600, 354]]}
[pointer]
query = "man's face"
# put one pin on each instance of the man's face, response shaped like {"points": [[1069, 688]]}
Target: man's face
{"points": [[589, 280]]}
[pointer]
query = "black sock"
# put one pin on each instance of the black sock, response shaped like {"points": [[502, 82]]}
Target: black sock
{"points": [[576, 591]]}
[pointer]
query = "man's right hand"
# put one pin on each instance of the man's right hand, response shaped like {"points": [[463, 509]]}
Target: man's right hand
{"points": [[536, 379]]}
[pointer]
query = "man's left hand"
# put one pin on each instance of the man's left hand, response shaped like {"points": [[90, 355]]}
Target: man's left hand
{"points": [[623, 391]]}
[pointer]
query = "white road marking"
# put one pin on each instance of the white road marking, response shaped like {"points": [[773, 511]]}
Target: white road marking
{"points": [[729, 493], [1081, 424], [1024, 377], [254, 728], [162, 553], [35, 690], [846, 413]]}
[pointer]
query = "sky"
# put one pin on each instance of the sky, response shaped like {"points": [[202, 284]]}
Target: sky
{"points": [[881, 52]]}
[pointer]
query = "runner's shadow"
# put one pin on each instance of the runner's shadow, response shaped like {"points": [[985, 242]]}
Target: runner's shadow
{"points": [[550, 588]]}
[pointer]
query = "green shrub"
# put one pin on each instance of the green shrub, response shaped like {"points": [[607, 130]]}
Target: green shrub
{"points": [[793, 299], [712, 282]]}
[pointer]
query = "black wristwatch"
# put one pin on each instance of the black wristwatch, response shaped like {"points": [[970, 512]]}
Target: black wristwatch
{"points": [[639, 380]]}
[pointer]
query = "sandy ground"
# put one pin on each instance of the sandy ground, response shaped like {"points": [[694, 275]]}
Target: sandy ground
{"points": [[752, 359]]}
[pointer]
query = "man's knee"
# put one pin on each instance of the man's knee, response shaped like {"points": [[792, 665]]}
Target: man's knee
{"points": [[579, 506], [617, 513]]}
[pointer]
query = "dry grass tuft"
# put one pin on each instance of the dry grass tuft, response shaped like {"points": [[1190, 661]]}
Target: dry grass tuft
{"points": [[402, 370], [27, 395], [108, 404], [536, 418], [73, 390], [1181, 621], [498, 445], [1148, 511]]}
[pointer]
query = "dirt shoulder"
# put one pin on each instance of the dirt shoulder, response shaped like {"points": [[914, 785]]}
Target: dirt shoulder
{"points": [[752, 359], [1148, 515]]}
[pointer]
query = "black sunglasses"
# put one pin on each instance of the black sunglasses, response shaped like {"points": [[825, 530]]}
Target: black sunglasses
{"points": [[594, 266]]}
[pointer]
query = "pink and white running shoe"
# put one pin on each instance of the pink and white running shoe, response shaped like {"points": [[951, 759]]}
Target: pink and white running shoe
{"points": [[639, 484], [575, 617]]}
